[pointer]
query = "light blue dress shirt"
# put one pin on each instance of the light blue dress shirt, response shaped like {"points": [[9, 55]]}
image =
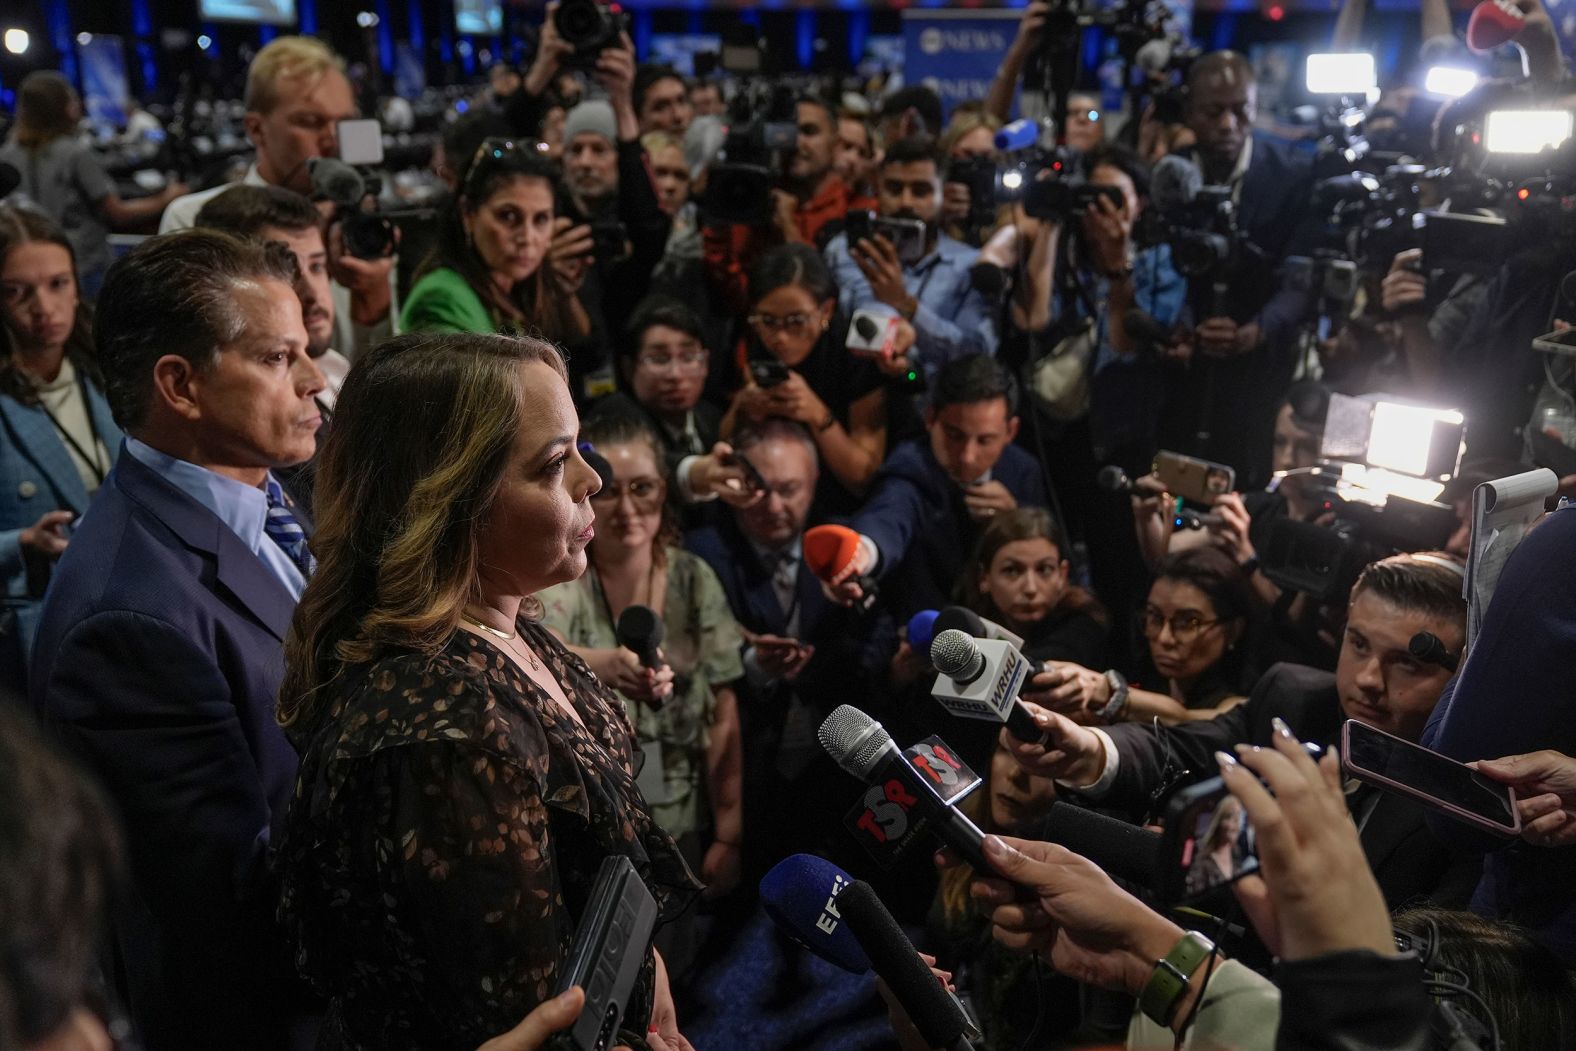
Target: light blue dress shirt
{"points": [[953, 320], [241, 507]]}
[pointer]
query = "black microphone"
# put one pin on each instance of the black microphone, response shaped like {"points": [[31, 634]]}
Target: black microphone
{"points": [[598, 463], [861, 746], [1427, 647], [640, 629], [868, 329], [334, 180], [935, 1013], [961, 618], [1126, 851], [10, 178], [981, 679], [1174, 184]]}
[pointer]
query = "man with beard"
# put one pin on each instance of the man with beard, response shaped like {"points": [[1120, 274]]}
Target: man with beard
{"points": [[807, 206], [943, 316]]}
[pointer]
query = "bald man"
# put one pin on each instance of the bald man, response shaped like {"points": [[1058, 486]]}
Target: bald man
{"points": [[1243, 358]]}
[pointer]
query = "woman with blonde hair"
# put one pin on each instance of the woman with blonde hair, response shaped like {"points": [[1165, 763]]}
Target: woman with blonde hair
{"points": [[64, 179], [463, 775]]}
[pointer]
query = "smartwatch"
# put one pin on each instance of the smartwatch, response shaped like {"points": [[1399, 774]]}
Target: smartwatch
{"points": [[1112, 710]]}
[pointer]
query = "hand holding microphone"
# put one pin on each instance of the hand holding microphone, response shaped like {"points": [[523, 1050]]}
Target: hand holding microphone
{"points": [[648, 678], [1069, 752], [839, 558]]}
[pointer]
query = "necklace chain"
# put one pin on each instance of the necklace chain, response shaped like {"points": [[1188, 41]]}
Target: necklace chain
{"points": [[507, 636]]}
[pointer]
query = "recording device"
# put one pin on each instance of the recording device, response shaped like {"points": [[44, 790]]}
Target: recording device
{"points": [[900, 803], [979, 175], [1049, 186], [752, 475], [640, 630], [800, 895], [768, 372], [981, 679], [1207, 843], [829, 550], [1464, 244], [1113, 479], [360, 142], [609, 240], [591, 27], [1124, 850], [907, 236], [1199, 222], [609, 950], [1428, 648], [961, 618], [368, 233], [1396, 765], [1193, 479], [872, 334], [1494, 23], [763, 131]]}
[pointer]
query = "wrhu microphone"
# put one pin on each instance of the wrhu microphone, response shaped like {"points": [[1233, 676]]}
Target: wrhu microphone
{"points": [[981, 679]]}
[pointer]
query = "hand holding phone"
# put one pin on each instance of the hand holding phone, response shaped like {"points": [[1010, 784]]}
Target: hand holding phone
{"points": [[1546, 794], [1397, 765]]}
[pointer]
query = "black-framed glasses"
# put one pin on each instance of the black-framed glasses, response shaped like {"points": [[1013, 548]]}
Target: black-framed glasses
{"points": [[1186, 625]]}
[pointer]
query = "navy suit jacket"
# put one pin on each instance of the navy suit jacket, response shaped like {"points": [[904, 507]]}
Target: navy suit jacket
{"points": [[918, 520], [37, 475], [158, 659]]}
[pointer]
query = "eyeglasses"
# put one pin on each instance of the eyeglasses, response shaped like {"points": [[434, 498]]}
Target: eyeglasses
{"points": [[1186, 625], [684, 361], [645, 493], [793, 324]]}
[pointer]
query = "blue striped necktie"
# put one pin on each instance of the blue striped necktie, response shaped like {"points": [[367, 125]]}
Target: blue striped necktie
{"points": [[283, 529]]}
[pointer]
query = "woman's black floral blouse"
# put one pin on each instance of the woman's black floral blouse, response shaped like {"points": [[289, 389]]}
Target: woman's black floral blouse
{"points": [[447, 826]]}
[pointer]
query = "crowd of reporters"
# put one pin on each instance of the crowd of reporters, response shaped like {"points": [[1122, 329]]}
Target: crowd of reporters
{"points": [[252, 610]]}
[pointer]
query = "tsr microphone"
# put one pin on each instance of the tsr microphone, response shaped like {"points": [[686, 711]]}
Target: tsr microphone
{"points": [[981, 679], [863, 748]]}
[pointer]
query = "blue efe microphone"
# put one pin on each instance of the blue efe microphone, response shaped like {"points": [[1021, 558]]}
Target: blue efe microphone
{"points": [[800, 895], [921, 630]]}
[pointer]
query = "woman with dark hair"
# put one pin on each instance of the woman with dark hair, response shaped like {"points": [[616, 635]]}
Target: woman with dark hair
{"points": [[685, 714], [463, 776], [490, 269], [1194, 623], [1019, 580], [60, 439], [65, 180], [793, 364]]}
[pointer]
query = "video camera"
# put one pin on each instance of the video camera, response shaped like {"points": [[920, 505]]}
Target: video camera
{"points": [[591, 27], [762, 131], [1199, 223], [1383, 465], [352, 183], [1046, 181]]}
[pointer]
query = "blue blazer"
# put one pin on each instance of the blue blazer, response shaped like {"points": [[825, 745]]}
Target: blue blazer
{"points": [[918, 520], [158, 658], [37, 476]]}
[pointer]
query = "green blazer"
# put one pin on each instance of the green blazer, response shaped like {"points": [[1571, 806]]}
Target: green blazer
{"points": [[442, 301]]}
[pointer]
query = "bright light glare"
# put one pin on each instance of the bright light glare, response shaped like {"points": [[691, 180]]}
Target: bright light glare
{"points": [[16, 41], [1402, 436], [1525, 130], [1011, 180], [1351, 73], [1372, 486], [1449, 81], [204, 43]]}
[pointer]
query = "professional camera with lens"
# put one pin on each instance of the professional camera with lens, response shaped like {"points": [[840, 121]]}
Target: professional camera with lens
{"points": [[590, 26], [763, 130], [1048, 185]]}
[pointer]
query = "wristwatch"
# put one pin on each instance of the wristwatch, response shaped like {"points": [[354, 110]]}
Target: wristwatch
{"points": [[1171, 976], [1112, 710]]}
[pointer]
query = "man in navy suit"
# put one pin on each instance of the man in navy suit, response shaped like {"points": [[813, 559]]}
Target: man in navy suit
{"points": [[933, 497], [803, 655], [1242, 356], [159, 648]]}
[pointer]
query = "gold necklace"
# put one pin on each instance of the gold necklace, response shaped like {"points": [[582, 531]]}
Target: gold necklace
{"points": [[520, 650]]}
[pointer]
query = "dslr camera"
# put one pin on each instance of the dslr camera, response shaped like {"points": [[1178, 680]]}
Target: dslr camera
{"points": [[590, 26], [1049, 186]]}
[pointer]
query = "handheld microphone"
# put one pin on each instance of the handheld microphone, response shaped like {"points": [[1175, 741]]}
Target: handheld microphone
{"points": [[863, 748], [334, 180], [872, 334], [961, 618], [937, 1014], [598, 463], [10, 179], [981, 679], [800, 894], [1494, 23], [1427, 647], [921, 630], [640, 629], [1126, 851], [1019, 135], [831, 549]]}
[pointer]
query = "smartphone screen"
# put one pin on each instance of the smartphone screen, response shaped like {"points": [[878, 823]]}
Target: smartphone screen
{"points": [[1211, 841], [1400, 766], [1194, 480]]}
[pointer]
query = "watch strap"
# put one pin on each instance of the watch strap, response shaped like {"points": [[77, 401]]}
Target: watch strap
{"points": [[1120, 692], [1169, 980]]}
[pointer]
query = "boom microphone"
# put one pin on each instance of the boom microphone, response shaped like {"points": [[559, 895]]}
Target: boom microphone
{"points": [[981, 679], [863, 748], [1175, 183], [800, 895], [334, 180], [1494, 23]]}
